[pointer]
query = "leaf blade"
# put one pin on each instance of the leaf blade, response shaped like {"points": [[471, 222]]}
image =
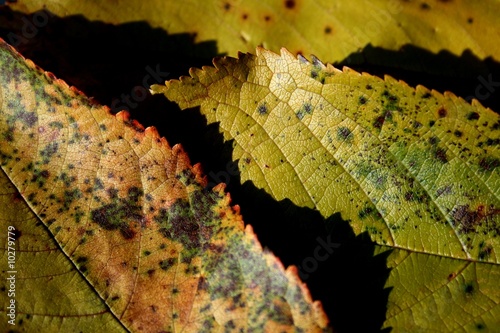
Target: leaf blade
{"points": [[343, 28], [373, 134], [132, 214], [416, 169]]}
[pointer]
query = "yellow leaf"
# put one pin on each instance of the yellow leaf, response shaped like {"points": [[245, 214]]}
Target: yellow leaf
{"points": [[418, 170], [329, 29]]}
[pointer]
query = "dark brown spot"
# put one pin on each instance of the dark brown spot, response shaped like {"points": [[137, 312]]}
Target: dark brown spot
{"points": [[49, 150], [484, 251], [473, 116], [440, 154], [489, 163], [244, 16], [290, 4], [466, 219], [202, 283], [328, 30], [121, 213], [379, 122], [344, 134], [469, 288], [442, 112], [166, 264], [425, 6], [434, 140], [262, 109], [227, 6]]}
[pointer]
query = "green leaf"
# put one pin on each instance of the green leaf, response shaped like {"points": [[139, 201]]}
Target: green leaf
{"points": [[37, 261], [418, 170], [330, 30], [130, 213]]}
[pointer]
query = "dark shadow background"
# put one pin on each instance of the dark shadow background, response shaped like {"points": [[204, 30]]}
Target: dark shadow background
{"points": [[106, 61]]}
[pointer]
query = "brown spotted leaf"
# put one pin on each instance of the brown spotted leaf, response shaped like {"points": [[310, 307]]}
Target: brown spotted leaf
{"points": [[418, 170], [329, 29], [129, 212]]}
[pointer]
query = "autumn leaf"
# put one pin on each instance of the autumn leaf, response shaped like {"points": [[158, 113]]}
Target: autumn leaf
{"points": [[127, 213], [330, 30], [416, 169]]}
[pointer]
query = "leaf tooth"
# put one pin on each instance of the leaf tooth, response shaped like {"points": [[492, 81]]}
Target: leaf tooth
{"points": [[331, 68], [259, 50], [319, 315], [349, 70], [124, 116], [449, 94], [160, 88], [222, 63], [286, 54], [317, 62], [151, 132], [303, 59], [72, 88], [389, 79], [422, 89]]}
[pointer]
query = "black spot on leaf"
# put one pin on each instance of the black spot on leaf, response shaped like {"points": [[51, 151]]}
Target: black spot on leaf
{"points": [[440, 155], [81, 260], [434, 140], [379, 122], [484, 251], [442, 112], [488, 164], [469, 288], [290, 4], [304, 110], [49, 151], [473, 116], [120, 213], [344, 134], [425, 6], [262, 109]]}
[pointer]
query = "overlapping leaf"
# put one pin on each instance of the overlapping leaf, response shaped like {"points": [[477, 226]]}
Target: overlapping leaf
{"points": [[329, 29], [130, 213], [418, 170]]}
